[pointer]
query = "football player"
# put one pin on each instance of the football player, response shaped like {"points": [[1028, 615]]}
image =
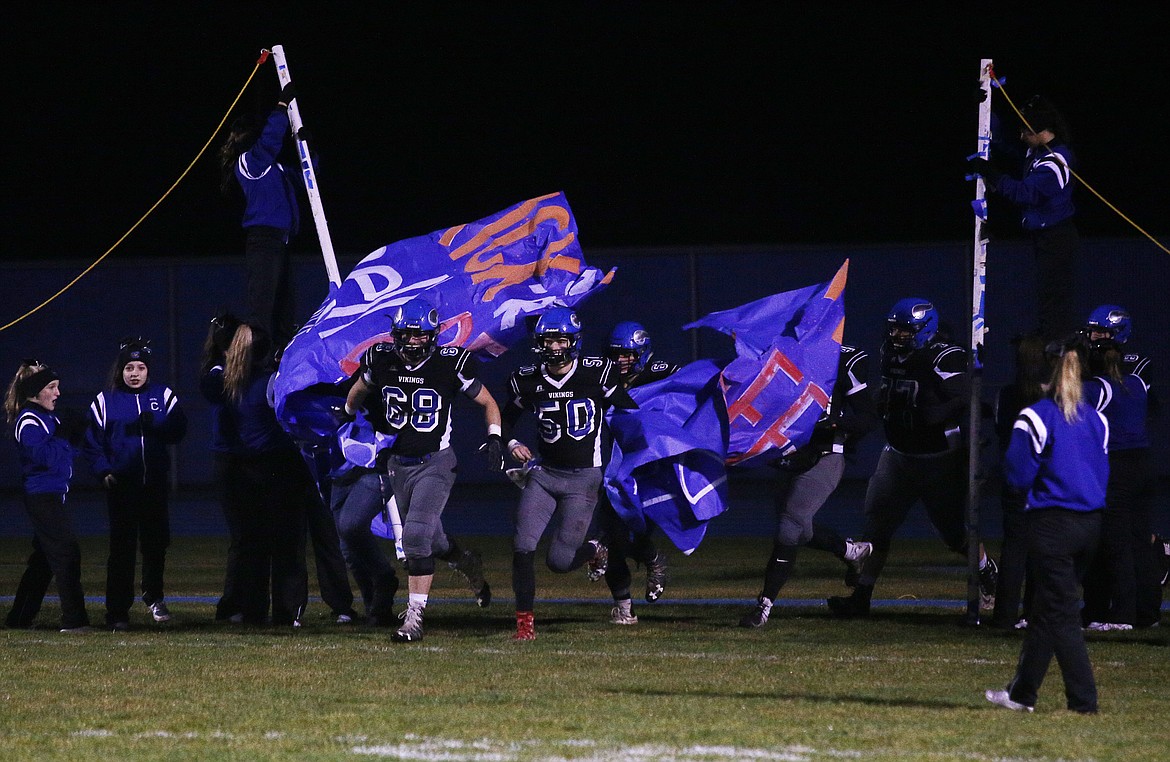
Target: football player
{"points": [[924, 395], [415, 384], [569, 395], [632, 352], [809, 476]]}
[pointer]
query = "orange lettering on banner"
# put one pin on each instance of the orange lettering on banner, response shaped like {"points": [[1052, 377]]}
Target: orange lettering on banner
{"points": [[774, 434], [463, 323], [743, 406]]}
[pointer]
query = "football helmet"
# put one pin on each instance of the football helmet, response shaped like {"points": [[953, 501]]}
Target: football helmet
{"points": [[629, 338], [1110, 319], [418, 317], [912, 323], [557, 323]]}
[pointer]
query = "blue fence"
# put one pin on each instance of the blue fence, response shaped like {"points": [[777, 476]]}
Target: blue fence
{"points": [[171, 302]]}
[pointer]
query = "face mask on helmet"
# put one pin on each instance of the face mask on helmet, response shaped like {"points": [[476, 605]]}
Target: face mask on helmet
{"points": [[1109, 323], [557, 336], [415, 325], [629, 347], [911, 324]]}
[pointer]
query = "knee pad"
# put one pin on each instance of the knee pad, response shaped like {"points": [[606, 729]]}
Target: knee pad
{"points": [[420, 567]]}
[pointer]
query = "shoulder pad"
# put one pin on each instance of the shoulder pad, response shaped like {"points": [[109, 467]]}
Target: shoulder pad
{"points": [[449, 351], [847, 348], [593, 362], [526, 370], [659, 365]]}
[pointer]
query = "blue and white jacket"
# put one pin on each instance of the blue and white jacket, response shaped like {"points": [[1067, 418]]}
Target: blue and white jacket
{"points": [[46, 460], [269, 195], [1124, 405], [1059, 464], [1044, 195], [122, 441]]}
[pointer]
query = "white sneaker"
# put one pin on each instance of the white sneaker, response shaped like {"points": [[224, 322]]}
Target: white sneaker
{"points": [[411, 630], [159, 611], [1001, 698], [622, 613]]}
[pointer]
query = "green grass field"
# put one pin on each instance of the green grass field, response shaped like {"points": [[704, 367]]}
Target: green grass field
{"points": [[684, 684]]}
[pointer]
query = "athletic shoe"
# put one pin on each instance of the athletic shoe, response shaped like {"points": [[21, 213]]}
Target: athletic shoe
{"points": [[347, 617], [622, 613], [79, 630], [1108, 627], [988, 577], [412, 628], [1001, 698], [159, 611], [855, 555], [525, 626], [595, 568], [1021, 625], [655, 577], [470, 566], [849, 606], [757, 617], [119, 626]]}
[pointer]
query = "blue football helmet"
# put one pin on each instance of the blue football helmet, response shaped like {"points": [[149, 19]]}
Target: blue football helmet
{"points": [[557, 323], [1110, 319], [912, 323], [418, 317], [630, 338]]}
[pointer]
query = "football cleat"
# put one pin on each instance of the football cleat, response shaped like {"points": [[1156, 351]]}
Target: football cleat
{"points": [[596, 567], [525, 626], [622, 613], [1165, 543], [1001, 698], [655, 577], [411, 630], [758, 616], [988, 577], [849, 606], [855, 555], [470, 566]]}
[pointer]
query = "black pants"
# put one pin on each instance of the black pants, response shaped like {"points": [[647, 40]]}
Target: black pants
{"points": [[265, 511], [1057, 249], [622, 547], [56, 554], [1122, 586], [332, 575], [1061, 545], [270, 285], [1013, 558], [139, 514]]}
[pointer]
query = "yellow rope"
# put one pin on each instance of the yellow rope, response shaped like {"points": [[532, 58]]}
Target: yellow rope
{"points": [[1080, 179], [86, 271]]}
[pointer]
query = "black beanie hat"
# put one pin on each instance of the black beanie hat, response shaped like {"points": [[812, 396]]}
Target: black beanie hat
{"points": [[134, 350]]}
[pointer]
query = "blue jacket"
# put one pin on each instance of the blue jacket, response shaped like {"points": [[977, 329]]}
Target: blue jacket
{"points": [[269, 196], [1044, 195], [1059, 464], [246, 427], [1125, 407], [122, 441], [46, 460]]}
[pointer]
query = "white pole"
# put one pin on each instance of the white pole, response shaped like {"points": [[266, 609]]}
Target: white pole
{"points": [[975, 358], [307, 173]]}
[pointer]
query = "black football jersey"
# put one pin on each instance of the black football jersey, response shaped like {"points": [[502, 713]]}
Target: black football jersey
{"points": [[414, 403], [569, 409], [849, 414], [655, 370], [923, 397]]}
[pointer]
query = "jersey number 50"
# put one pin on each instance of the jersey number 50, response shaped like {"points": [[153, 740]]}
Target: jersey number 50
{"points": [[577, 419]]}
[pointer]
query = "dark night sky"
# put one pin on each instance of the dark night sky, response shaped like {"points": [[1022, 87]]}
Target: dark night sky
{"points": [[664, 123]]}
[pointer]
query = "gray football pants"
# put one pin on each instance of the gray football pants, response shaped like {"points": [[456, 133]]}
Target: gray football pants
{"points": [[569, 494]]}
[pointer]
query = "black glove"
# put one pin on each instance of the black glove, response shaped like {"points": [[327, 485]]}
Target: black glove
{"points": [[304, 135], [986, 169], [146, 418], [287, 94], [980, 93], [495, 452], [340, 416]]}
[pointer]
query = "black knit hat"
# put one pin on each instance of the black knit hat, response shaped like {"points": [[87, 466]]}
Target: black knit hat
{"points": [[1042, 115], [134, 349], [32, 385]]}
